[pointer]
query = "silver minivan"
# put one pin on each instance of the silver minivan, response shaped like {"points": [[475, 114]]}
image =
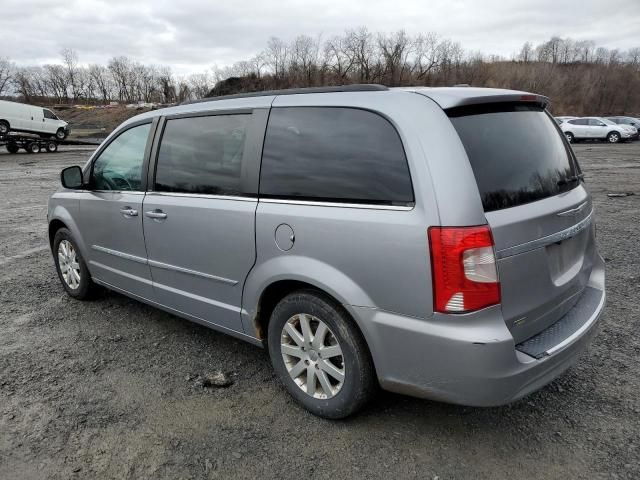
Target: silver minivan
{"points": [[436, 242]]}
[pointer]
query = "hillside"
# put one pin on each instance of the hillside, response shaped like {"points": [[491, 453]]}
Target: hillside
{"points": [[96, 122]]}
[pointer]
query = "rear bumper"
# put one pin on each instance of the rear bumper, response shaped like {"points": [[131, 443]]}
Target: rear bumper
{"points": [[475, 361]]}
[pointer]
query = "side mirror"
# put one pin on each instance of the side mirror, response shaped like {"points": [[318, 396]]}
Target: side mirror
{"points": [[71, 177]]}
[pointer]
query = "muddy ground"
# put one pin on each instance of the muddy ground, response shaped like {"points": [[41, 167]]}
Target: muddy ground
{"points": [[108, 388]]}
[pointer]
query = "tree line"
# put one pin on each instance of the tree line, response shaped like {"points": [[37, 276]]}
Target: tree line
{"points": [[579, 76]]}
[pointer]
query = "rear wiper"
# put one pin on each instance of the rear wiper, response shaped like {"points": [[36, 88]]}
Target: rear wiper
{"points": [[574, 178]]}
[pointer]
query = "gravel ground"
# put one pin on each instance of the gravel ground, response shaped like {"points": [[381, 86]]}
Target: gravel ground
{"points": [[112, 388]]}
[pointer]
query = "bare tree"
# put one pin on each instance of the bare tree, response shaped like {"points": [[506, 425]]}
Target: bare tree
{"points": [[200, 84], [70, 61], [362, 49], [276, 56], [395, 50], [102, 81], [6, 74], [526, 52], [336, 59], [120, 68]]}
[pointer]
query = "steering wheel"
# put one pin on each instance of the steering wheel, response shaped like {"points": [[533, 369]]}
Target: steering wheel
{"points": [[117, 182]]}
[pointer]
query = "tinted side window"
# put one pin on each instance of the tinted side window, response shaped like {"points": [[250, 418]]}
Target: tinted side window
{"points": [[49, 114], [576, 122], [334, 154], [202, 155], [119, 166], [595, 123]]}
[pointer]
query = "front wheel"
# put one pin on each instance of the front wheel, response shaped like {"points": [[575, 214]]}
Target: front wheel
{"points": [[71, 267], [4, 127], [320, 355], [61, 134], [569, 136], [613, 137]]}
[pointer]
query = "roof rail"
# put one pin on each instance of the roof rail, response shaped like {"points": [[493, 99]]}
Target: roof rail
{"points": [[358, 87]]}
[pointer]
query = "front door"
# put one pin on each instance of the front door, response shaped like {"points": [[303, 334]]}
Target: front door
{"points": [[597, 129], [199, 220], [49, 122], [111, 214]]}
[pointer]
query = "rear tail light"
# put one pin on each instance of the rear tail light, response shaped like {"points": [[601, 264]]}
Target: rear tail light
{"points": [[463, 267]]}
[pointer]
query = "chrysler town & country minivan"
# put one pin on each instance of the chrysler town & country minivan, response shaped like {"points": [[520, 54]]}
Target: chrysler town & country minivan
{"points": [[437, 242]]}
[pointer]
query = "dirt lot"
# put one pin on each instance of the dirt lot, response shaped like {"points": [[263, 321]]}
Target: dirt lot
{"points": [[107, 389]]}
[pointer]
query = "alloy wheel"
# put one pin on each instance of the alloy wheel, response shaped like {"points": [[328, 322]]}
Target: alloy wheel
{"points": [[69, 266], [312, 356]]}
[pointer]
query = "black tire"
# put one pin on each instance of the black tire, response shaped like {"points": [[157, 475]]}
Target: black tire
{"points": [[52, 147], [359, 382], [61, 134], [569, 136], [613, 137], [12, 147], [86, 287], [33, 147], [5, 128]]}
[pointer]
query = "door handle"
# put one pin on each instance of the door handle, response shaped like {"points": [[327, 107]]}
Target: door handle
{"points": [[129, 212], [156, 214]]}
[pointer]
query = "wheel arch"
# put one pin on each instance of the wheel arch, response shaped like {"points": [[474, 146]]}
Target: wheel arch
{"points": [[60, 217], [263, 290], [55, 225]]}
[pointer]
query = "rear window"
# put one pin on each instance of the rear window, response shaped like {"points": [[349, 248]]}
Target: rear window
{"points": [[516, 152], [334, 154], [202, 155]]}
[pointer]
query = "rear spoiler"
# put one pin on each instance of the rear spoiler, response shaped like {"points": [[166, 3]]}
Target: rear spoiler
{"points": [[454, 97]]}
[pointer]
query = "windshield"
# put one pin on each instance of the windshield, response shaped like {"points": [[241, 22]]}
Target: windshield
{"points": [[516, 151]]}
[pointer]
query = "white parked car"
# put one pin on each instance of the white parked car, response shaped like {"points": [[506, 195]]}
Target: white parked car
{"points": [[595, 128], [19, 117], [561, 120]]}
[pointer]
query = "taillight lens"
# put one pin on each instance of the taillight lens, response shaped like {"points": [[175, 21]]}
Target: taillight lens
{"points": [[463, 267]]}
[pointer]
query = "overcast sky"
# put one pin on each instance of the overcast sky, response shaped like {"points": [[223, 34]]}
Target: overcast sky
{"points": [[193, 35]]}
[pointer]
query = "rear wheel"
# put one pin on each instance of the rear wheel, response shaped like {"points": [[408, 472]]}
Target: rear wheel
{"points": [[569, 136], [12, 147], [613, 137], [4, 127], [320, 355]]}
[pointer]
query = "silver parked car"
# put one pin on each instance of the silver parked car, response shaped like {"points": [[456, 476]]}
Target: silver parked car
{"points": [[438, 242], [629, 122], [596, 128]]}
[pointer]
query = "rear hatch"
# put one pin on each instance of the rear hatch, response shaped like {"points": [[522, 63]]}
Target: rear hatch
{"points": [[537, 207]]}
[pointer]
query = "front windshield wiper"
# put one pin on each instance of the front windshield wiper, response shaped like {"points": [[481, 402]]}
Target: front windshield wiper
{"points": [[573, 178]]}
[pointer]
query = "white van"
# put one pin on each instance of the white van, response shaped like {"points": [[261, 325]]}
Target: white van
{"points": [[18, 117]]}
